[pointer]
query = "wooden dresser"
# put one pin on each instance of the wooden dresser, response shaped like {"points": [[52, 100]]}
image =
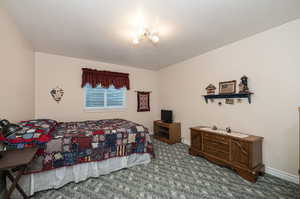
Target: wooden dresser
{"points": [[241, 152]]}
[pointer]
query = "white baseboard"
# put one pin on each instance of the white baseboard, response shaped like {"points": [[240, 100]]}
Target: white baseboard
{"points": [[283, 175], [274, 172], [184, 141]]}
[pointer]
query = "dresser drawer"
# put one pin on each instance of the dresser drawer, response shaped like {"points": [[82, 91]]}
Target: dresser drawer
{"points": [[217, 153], [216, 138], [217, 144]]}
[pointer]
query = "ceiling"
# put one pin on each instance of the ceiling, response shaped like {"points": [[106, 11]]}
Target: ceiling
{"points": [[102, 30]]}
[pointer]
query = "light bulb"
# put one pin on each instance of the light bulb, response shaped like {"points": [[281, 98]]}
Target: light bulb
{"points": [[155, 39], [141, 32], [135, 41]]}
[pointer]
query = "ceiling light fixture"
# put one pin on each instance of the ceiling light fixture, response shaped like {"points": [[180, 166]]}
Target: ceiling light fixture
{"points": [[146, 34]]}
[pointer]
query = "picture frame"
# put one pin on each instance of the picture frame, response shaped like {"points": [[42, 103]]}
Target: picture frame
{"points": [[228, 87], [229, 101]]}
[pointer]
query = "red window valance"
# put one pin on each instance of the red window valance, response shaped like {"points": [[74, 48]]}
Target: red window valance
{"points": [[104, 78]]}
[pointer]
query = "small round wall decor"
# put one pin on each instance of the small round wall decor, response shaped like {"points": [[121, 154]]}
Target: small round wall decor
{"points": [[57, 93]]}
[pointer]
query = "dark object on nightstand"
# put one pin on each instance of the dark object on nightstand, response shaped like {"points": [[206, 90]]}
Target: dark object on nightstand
{"points": [[166, 116], [167, 132], [16, 160]]}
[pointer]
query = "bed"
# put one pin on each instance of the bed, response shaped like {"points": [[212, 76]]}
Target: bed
{"points": [[75, 151]]}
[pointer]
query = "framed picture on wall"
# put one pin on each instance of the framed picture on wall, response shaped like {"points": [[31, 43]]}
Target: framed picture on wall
{"points": [[227, 87]]}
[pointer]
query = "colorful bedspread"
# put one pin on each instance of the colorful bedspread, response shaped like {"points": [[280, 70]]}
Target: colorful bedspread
{"points": [[79, 142], [31, 133]]}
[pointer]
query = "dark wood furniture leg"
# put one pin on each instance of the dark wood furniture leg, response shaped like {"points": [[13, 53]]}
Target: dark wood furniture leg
{"points": [[15, 183], [16, 160]]}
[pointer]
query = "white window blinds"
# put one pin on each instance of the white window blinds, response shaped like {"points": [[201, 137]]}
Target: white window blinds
{"points": [[101, 98]]}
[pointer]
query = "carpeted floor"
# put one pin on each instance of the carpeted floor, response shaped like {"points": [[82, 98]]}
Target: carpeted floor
{"points": [[174, 174]]}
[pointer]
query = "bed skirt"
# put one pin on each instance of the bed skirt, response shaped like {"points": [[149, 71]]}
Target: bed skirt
{"points": [[54, 179]]}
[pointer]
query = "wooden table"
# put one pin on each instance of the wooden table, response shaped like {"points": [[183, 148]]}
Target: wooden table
{"points": [[16, 160]]}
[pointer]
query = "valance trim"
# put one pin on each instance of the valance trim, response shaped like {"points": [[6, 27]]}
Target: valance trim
{"points": [[104, 78]]}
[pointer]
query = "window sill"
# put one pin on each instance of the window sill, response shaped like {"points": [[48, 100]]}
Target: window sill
{"points": [[104, 110]]}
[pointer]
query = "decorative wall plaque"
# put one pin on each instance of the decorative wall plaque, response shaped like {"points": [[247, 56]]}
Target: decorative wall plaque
{"points": [[57, 93]]}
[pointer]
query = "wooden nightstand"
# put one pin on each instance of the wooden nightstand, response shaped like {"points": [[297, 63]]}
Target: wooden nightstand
{"points": [[167, 132], [16, 160]]}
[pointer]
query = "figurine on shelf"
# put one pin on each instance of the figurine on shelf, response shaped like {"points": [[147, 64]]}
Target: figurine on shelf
{"points": [[243, 86], [211, 89]]}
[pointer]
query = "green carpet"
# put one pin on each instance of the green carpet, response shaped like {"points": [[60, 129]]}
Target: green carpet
{"points": [[174, 174]]}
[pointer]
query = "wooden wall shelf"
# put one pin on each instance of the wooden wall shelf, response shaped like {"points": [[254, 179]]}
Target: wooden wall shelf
{"points": [[226, 96]]}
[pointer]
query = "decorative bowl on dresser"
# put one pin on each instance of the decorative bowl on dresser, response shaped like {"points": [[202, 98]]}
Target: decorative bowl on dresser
{"points": [[167, 132], [241, 152]]}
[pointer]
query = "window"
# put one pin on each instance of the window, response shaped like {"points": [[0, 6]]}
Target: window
{"points": [[104, 98]]}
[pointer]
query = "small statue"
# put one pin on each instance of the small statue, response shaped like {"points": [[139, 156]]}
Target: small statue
{"points": [[228, 130], [214, 127], [210, 89], [243, 86]]}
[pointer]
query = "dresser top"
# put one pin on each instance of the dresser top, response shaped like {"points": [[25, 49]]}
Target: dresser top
{"points": [[238, 135]]}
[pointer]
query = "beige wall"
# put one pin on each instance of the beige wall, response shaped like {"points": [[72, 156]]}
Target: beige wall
{"points": [[271, 60], [65, 72], [17, 75], [17, 72]]}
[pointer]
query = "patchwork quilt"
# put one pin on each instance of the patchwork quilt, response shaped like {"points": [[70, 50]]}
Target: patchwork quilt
{"points": [[79, 142], [31, 133]]}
